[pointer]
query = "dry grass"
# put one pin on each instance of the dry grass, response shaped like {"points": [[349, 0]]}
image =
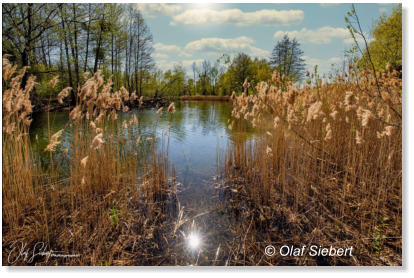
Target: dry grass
{"points": [[105, 211], [327, 170]]}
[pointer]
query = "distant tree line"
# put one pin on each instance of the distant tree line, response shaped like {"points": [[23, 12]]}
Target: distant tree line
{"points": [[71, 39]]}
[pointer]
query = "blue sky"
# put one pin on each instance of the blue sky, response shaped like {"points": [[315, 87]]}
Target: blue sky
{"points": [[187, 33]]}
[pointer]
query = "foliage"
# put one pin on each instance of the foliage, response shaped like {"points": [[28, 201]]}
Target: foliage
{"points": [[240, 68], [72, 39], [386, 46], [287, 59], [174, 82]]}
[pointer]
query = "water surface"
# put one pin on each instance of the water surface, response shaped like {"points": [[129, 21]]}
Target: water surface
{"points": [[198, 131], [198, 135]]}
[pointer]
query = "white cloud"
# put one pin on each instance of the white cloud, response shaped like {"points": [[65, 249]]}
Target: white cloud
{"points": [[164, 49], [160, 56], [324, 65], [238, 17], [229, 46], [167, 56], [166, 64], [189, 63], [382, 10], [155, 9], [335, 60], [322, 35], [360, 40]]}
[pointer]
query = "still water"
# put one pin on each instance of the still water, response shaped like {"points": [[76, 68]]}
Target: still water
{"points": [[198, 131], [198, 135]]}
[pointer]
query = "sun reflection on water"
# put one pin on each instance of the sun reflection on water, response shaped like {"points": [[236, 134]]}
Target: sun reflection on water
{"points": [[193, 241]]}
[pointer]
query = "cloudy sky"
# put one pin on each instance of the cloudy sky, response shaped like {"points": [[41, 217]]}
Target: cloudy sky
{"points": [[187, 33]]}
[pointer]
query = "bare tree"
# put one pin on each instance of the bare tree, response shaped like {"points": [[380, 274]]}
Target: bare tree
{"points": [[140, 48], [287, 58], [23, 26]]}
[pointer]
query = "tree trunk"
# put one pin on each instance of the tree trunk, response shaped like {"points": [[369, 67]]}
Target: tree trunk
{"points": [[73, 97], [26, 51], [43, 50], [98, 49], [126, 68], [76, 56], [87, 38]]}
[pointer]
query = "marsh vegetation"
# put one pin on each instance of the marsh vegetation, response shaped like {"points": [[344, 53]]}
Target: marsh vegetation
{"points": [[319, 164], [137, 170]]}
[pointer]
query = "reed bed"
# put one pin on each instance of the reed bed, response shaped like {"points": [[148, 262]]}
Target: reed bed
{"points": [[105, 212], [326, 171]]}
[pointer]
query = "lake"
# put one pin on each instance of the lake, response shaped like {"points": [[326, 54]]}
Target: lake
{"points": [[198, 135], [198, 130]]}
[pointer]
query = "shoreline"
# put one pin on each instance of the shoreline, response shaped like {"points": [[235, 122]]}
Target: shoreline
{"points": [[55, 106], [205, 98], [45, 105]]}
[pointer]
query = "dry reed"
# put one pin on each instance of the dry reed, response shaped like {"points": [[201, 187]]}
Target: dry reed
{"points": [[329, 174], [104, 211]]}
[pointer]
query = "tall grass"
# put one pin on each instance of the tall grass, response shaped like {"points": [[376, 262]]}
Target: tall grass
{"points": [[105, 210], [19, 174], [327, 170]]}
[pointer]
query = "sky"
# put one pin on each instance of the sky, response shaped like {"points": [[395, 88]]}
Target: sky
{"points": [[187, 33]]}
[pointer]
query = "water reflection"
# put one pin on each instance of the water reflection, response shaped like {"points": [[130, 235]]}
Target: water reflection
{"points": [[197, 134], [198, 130], [194, 241]]}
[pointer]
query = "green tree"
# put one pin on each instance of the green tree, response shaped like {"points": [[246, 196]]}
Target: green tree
{"points": [[235, 71], [174, 82], [287, 58], [386, 46], [240, 69], [24, 27], [261, 71], [204, 80]]}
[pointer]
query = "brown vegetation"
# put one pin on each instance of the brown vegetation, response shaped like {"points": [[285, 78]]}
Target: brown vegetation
{"points": [[327, 170], [104, 213]]}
